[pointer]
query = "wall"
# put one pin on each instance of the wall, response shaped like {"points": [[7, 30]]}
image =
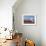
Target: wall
{"points": [[6, 13], [43, 22], [29, 31]]}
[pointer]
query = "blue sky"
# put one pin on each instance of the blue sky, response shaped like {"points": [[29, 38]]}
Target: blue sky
{"points": [[28, 17]]}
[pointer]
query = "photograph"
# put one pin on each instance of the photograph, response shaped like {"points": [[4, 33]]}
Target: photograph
{"points": [[29, 20]]}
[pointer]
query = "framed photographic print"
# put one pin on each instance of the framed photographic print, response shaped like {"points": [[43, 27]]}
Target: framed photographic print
{"points": [[29, 20]]}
